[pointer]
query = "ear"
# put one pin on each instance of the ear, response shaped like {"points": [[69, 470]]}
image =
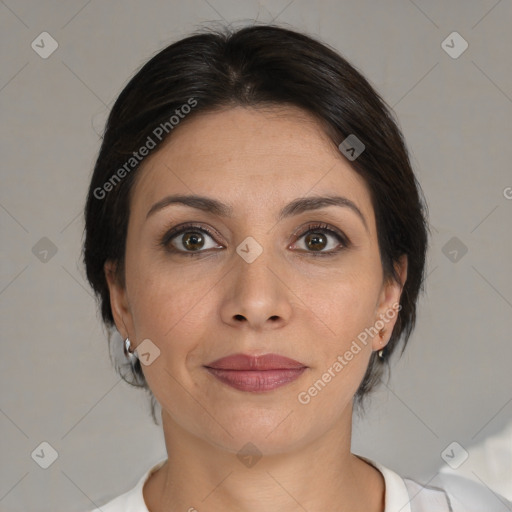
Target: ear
{"points": [[388, 306], [118, 301]]}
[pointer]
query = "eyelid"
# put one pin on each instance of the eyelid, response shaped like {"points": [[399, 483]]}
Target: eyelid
{"points": [[322, 227], [181, 228]]}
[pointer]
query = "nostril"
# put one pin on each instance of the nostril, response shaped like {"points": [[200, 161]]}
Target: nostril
{"points": [[239, 317]]}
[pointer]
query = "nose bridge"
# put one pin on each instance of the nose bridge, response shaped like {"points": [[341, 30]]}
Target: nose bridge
{"points": [[253, 277], [255, 294]]}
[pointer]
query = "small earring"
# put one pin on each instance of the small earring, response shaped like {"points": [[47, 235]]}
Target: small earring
{"points": [[381, 351], [131, 355]]}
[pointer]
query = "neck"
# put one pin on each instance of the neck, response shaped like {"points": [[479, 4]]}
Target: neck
{"points": [[320, 475]]}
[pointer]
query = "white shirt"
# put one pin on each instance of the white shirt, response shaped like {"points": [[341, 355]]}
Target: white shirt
{"points": [[444, 493], [489, 461]]}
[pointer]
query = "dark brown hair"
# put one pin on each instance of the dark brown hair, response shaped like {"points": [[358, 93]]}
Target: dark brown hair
{"points": [[258, 66]]}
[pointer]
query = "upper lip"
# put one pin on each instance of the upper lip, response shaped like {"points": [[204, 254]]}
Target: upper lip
{"points": [[262, 362]]}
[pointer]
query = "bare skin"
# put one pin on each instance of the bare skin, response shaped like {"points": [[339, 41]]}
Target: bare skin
{"points": [[290, 300]]}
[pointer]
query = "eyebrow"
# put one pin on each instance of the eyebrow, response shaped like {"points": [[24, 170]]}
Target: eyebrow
{"points": [[295, 207]]}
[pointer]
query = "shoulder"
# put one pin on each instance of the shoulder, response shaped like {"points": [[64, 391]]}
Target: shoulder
{"points": [[455, 494], [132, 500], [442, 493], [470, 496]]}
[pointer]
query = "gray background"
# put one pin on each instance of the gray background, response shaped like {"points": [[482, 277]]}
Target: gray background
{"points": [[58, 386]]}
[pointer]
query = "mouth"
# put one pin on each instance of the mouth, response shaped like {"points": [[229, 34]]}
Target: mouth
{"points": [[256, 373]]}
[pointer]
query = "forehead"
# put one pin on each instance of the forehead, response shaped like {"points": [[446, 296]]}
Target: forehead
{"points": [[241, 153]]}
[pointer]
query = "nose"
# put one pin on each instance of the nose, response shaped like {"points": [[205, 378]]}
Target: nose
{"points": [[256, 295]]}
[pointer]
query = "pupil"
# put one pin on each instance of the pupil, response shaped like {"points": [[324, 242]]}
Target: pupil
{"points": [[316, 241], [193, 240]]}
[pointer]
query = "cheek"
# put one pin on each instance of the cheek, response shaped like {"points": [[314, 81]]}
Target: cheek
{"points": [[346, 308], [173, 309], [164, 305], [168, 310], [161, 291], [345, 302]]}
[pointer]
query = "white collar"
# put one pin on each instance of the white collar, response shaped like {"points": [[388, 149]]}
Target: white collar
{"points": [[396, 497]]}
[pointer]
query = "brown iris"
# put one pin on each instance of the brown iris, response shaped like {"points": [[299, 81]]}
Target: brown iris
{"points": [[316, 241], [193, 240]]}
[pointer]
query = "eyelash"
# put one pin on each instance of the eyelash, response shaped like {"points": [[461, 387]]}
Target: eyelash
{"points": [[313, 227]]}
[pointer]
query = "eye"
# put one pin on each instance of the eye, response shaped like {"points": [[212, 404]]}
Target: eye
{"points": [[320, 239], [192, 239], [189, 239]]}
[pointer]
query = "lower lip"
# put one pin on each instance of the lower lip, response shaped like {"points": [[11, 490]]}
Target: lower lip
{"points": [[252, 380]]}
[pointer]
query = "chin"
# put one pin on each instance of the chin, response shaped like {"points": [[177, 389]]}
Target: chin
{"points": [[264, 434]]}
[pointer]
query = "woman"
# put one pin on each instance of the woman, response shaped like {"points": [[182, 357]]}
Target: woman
{"points": [[256, 234]]}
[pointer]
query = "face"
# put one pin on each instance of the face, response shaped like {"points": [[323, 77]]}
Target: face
{"points": [[253, 275]]}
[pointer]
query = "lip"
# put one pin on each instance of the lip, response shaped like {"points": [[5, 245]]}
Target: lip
{"points": [[256, 380], [256, 373], [263, 362]]}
